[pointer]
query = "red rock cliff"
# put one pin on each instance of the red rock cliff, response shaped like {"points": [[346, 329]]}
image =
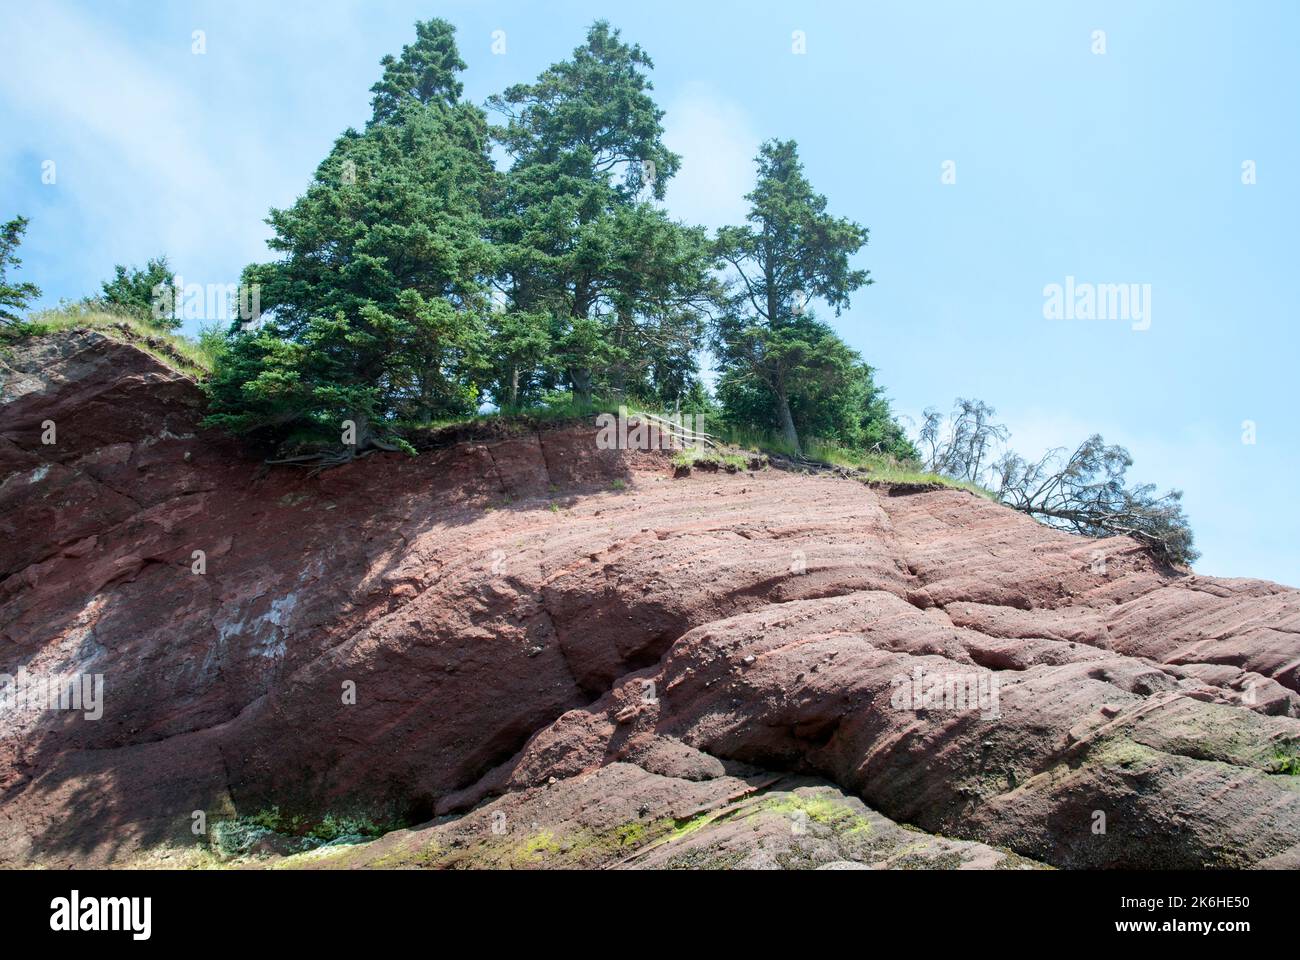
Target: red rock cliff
{"points": [[513, 621]]}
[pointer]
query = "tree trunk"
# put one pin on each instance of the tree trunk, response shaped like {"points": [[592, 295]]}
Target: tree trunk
{"points": [[514, 388], [367, 439], [580, 378], [788, 432]]}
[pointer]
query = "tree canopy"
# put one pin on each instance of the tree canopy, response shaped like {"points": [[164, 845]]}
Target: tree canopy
{"points": [[619, 287], [416, 281], [788, 253], [137, 291], [425, 73], [376, 311]]}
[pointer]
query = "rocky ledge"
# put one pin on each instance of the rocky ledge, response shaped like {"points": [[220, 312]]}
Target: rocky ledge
{"points": [[521, 650]]}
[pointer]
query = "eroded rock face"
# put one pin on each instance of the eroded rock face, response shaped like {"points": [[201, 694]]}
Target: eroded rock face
{"points": [[622, 816], [527, 608]]}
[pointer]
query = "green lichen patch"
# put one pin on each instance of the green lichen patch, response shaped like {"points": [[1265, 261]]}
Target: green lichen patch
{"points": [[270, 833], [820, 808], [1285, 761]]}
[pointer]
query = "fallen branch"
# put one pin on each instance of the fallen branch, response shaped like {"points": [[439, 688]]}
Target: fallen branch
{"points": [[688, 438]]}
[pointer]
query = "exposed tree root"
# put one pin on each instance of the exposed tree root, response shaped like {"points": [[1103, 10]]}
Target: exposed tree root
{"points": [[320, 462]]}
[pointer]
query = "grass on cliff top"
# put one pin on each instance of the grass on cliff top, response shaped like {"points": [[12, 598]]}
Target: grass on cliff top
{"points": [[879, 467], [690, 456], [194, 358], [887, 469], [197, 358], [739, 444]]}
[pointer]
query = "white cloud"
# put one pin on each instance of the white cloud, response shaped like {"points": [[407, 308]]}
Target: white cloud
{"points": [[717, 145], [145, 167]]}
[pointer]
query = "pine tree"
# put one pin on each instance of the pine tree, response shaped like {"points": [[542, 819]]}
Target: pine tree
{"points": [[13, 296], [136, 290], [375, 313], [581, 239], [791, 252]]}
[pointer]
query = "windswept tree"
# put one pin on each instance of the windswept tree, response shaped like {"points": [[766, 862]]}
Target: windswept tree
{"points": [[1086, 492], [581, 240], [962, 445], [13, 296], [376, 310], [790, 252]]}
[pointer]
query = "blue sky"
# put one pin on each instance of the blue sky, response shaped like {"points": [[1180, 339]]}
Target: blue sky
{"points": [[1115, 167]]}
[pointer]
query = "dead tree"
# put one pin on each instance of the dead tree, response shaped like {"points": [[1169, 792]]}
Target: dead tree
{"points": [[1085, 493]]}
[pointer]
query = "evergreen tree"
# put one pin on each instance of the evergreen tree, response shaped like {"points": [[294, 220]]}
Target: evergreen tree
{"points": [[376, 311], [425, 73], [790, 252], [136, 290], [830, 391], [581, 239], [13, 296], [519, 345]]}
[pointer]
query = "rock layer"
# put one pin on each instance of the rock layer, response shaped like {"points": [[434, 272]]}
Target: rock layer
{"points": [[404, 638]]}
